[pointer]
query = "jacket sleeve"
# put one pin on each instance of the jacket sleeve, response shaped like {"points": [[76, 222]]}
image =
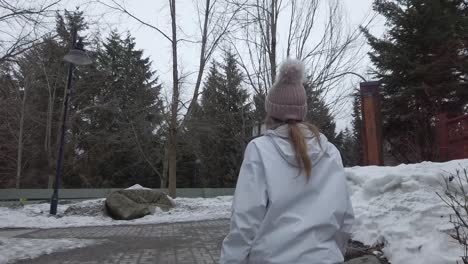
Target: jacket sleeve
{"points": [[344, 233], [248, 209]]}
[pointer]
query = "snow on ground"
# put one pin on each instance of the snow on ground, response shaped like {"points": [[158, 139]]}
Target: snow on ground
{"points": [[187, 209], [13, 249], [397, 205]]}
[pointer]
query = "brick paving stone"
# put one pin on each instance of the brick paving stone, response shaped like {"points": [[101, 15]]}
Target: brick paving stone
{"points": [[177, 243]]}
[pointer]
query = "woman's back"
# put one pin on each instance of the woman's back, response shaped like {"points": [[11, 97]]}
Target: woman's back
{"points": [[281, 216], [291, 203]]}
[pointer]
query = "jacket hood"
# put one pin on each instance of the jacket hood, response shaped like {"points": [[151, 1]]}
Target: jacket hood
{"points": [[280, 138]]}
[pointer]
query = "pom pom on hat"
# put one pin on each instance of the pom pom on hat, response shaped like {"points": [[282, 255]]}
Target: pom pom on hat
{"points": [[287, 100], [291, 72]]}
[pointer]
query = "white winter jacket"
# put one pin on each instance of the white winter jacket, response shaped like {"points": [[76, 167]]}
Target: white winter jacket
{"points": [[280, 217]]}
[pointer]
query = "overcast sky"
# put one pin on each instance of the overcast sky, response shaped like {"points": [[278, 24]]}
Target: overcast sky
{"points": [[158, 48]]}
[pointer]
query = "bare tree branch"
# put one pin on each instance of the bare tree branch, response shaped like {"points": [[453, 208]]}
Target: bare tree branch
{"points": [[119, 7], [22, 25], [324, 44]]}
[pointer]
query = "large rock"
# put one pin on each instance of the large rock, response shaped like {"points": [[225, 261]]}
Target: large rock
{"points": [[364, 260], [135, 203]]}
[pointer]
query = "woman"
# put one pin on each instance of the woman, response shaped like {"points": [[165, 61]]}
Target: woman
{"points": [[291, 204]]}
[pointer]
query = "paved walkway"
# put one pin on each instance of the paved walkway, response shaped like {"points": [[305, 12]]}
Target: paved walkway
{"points": [[179, 243]]}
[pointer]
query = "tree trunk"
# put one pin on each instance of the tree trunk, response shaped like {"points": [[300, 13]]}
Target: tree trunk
{"points": [[162, 183], [48, 135], [19, 159], [48, 142], [273, 22], [163, 178], [173, 165], [201, 64], [174, 106]]}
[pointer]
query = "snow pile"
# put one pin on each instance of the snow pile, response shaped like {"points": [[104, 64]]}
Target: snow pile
{"points": [[399, 206], [186, 209], [137, 187], [13, 249]]}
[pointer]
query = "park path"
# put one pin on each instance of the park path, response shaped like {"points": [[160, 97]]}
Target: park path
{"points": [[172, 243], [176, 243]]}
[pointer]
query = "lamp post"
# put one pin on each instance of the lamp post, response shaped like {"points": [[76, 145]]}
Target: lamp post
{"points": [[76, 56]]}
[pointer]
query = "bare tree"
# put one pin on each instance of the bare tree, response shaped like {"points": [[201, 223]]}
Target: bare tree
{"points": [[316, 33], [19, 158], [455, 198], [10, 100], [18, 115], [172, 151], [23, 24], [258, 36], [216, 20], [52, 84]]}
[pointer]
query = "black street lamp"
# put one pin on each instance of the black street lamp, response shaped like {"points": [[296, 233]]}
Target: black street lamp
{"points": [[76, 56]]}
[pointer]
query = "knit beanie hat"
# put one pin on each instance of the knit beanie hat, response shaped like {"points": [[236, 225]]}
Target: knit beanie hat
{"points": [[287, 98]]}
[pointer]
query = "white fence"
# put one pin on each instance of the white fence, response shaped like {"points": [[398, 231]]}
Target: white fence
{"points": [[81, 194]]}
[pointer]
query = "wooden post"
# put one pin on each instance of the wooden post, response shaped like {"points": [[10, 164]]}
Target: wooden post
{"points": [[371, 124], [442, 136]]}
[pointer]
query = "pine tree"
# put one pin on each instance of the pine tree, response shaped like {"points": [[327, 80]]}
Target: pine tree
{"points": [[120, 117], [202, 131], [114, 121], [225, 109], [319, 113], [347, 148], [356, 124], [259, 112], [9, 102], [422, 64], [38, 80]]}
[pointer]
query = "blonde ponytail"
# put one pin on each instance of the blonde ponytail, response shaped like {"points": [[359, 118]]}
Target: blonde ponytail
{"points": [[298, 140], [300, 147]]}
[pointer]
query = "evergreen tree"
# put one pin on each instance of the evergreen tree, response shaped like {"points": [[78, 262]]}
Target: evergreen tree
{"points": [[201, 132], [347, 148], [225, 109], [9, 102], [259, 113], [422, 64], [114, 122], [319, 113], [38, 81], [119, 119], [356, 124]]}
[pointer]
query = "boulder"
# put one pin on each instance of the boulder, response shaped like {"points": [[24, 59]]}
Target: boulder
{"points": [[135, 203], [364, 260]]}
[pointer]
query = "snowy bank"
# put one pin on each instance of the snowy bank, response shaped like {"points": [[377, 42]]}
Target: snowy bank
{"points": [[13, 249], [186, 209], [399, 205]]}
